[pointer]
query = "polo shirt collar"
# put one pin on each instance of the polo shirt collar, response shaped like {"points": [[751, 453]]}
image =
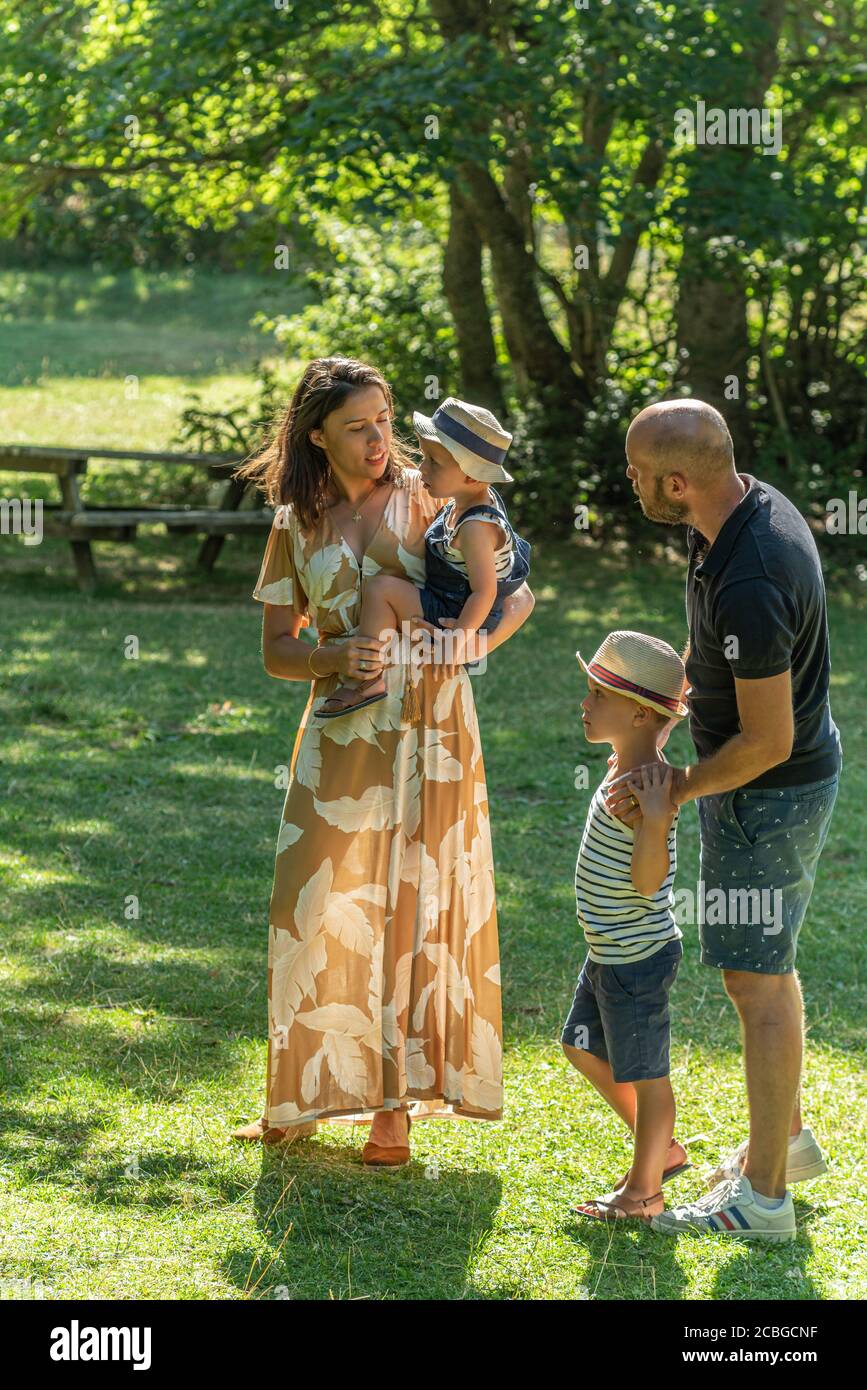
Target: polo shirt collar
{"points": [[721, 549]]}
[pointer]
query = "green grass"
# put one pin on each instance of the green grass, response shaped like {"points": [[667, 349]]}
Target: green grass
{"points": [[110, 360], [130, 1047]]}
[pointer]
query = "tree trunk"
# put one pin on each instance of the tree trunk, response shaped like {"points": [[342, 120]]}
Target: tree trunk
{"points": [[464, 290], [535, 348], [712, 330], [712, 301]]}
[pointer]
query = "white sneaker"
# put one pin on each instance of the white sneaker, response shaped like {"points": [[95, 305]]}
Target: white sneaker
{"points": [[805, 1160], [730, 1210]]}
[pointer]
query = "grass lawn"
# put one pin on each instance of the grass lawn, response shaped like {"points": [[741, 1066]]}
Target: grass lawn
{"points": [[111, 359], [130, 1047]]}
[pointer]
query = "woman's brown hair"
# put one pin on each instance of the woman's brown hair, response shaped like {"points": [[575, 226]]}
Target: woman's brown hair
{"points": [[290, 468]]}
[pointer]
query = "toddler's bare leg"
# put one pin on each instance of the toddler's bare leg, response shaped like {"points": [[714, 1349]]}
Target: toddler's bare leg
{"points": [[386, 602]]}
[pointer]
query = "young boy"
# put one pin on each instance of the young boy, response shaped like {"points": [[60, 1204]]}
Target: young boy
{"points": [[618, 1030]]}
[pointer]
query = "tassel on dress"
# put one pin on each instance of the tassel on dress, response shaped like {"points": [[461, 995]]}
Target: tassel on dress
{"points": [[410, 710]]}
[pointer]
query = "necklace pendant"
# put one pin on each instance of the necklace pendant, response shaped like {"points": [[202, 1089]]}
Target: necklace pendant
{"points": [[356, 516]]}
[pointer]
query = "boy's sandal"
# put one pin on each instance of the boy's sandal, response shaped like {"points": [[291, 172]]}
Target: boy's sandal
{"points": [[349, 698], [667, 1176], [618, 1208]]}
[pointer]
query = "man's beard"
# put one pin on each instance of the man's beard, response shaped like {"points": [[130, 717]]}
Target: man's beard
{"points": [[661, 509]]}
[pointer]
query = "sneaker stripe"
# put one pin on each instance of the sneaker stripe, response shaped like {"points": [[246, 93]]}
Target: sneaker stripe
{"points": [[710, 1221], [729, 1225], [738, 1217]]}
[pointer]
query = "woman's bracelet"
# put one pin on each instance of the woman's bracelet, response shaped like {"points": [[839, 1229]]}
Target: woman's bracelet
{"points": [[318, 675]]}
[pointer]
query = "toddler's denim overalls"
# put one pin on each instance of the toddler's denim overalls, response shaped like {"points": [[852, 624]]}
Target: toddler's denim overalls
{"points": [[446, 589]]}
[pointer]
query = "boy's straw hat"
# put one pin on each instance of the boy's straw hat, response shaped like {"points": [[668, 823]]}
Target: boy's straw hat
{"points": [[473, 435], [642, 668]]}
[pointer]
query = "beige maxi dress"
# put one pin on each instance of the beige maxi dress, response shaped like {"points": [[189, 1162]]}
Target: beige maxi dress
{"points": [[383, 959]]}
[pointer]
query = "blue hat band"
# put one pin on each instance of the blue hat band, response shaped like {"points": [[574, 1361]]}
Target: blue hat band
{"points": [[461, 435]]}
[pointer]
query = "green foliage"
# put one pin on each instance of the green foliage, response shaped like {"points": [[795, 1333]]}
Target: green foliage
{"points": [[335, 128], [236, 428], [380, 300]]}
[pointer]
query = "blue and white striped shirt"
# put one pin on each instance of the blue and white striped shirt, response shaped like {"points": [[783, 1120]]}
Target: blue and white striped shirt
{"points": [[619, 924]]}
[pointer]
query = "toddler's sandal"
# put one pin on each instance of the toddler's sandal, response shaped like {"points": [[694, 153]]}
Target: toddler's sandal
{"points": [[348, 698]]}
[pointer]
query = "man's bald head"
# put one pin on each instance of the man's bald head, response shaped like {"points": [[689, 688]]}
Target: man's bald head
{"points": [[683, 437]]}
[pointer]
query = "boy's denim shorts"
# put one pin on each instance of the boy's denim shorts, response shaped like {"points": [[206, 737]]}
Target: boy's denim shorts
{"points": [[759, 852], [620, 1014]]}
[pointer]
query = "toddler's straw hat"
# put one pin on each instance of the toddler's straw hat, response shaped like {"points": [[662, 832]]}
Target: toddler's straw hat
{"points": [[472, 435], [643, 668]]}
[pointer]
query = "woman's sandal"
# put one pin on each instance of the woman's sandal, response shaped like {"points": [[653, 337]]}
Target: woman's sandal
{"points": [[259, 1132], [348, 698], [617, 1208], [387, 1157]]}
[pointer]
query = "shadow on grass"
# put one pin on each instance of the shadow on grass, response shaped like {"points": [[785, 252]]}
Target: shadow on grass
{"points": [[634, 1262], [335, 1230]]}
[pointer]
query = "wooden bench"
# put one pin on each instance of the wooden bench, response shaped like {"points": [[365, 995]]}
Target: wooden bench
{"points": [[74, 518]]}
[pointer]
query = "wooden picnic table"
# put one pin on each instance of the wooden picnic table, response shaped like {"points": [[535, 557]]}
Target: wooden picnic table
{"points": [[82, 523]]}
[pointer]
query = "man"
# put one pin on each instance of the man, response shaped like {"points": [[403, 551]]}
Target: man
{"points": [[766, 779]]}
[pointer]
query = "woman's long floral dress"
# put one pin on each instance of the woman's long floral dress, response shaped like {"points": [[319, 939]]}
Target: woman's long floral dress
{"points": [[383, 961]]}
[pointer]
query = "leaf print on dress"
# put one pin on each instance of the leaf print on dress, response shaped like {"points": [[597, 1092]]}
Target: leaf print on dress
{"points": [[454, 864], [459, 684], [483, 1086], [369, 567], [280, 592], [344, 1028], [289, 835], [450, 980], [394, 1010], [295, 963], [478, 886], [346, 919], [308, 764], [321, 568], [370, 811], [440, 765], [406, 797], [420, 1075], [413, 565]]}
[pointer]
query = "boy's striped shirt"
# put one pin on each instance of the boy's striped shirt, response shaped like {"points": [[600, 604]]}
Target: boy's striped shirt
{"points": [[619, 924]]}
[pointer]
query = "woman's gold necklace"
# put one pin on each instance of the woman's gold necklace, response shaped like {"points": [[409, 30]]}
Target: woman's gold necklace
{"points": [[356, 514]]}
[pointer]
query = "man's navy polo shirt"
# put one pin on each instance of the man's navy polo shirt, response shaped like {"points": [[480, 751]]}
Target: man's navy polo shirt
{"points": [[761, 584]]}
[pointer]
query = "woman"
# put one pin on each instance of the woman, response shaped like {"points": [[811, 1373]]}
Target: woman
{"points": [[383, 962]]}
